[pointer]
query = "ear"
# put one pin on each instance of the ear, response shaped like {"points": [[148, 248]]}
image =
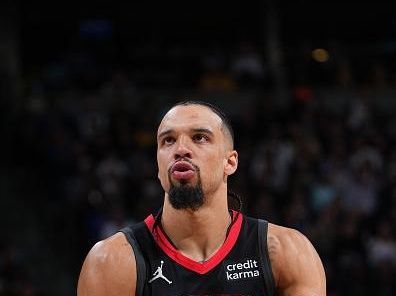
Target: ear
{"points": [[231, 163]]}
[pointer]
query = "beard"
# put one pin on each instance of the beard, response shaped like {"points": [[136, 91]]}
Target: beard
{"points": [[184, 196]]}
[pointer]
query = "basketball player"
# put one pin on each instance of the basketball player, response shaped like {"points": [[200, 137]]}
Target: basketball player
{"points": [[197, 245]]}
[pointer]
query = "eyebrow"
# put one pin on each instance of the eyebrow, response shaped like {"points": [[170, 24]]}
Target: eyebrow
{"points": [[202, 130], [195, 130], [164, 133]]}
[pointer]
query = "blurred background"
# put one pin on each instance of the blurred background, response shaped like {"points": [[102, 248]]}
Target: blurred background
{"points": [[310, 89]]}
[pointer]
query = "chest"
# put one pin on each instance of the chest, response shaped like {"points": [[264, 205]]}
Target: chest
{"points": [[230, 277], [237, 269]]}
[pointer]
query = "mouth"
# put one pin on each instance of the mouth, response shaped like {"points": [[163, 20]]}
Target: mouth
{"points": [[182, 170]]}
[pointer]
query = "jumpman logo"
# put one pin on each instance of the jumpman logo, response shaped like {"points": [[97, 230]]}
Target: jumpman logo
{"points": [[158, 274]]}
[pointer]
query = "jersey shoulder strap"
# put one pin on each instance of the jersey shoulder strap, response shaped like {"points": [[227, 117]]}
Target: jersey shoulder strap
{"points": [[141, 270], [263, 247]]}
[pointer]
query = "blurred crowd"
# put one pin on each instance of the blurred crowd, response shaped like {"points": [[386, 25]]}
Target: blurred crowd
{"points": [[85, 137]]}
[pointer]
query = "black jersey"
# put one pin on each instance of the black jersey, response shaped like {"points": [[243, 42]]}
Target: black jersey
{"points": [[240, 267]]}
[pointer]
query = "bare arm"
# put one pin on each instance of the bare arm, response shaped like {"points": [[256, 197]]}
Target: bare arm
{"points": [[297, 268], [109, 269]]}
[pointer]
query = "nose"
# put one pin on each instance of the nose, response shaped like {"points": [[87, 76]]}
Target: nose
{"points": [[182, 149]]}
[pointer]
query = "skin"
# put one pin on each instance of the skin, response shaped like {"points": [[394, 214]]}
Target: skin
{"points": [[195, 133]]}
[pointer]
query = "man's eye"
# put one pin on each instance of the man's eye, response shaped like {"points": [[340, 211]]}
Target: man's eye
{"points": [[200, 138], [168, 140]]}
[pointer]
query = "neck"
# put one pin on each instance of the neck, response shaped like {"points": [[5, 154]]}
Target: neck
{"points": [[197, 234]]}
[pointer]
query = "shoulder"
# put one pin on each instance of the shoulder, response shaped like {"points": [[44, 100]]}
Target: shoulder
{"points": [[109, 268], [287, 239], [111, 252], [294, 259]]}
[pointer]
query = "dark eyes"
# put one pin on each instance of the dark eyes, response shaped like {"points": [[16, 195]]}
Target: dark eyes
{"points": [[200, 138], [168, 140], [197, 138]]}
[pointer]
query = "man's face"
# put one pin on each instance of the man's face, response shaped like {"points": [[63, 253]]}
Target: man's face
{"points": [[193, 150]]}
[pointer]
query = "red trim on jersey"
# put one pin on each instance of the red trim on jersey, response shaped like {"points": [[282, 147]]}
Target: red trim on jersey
{"points": [[188, 263]]}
